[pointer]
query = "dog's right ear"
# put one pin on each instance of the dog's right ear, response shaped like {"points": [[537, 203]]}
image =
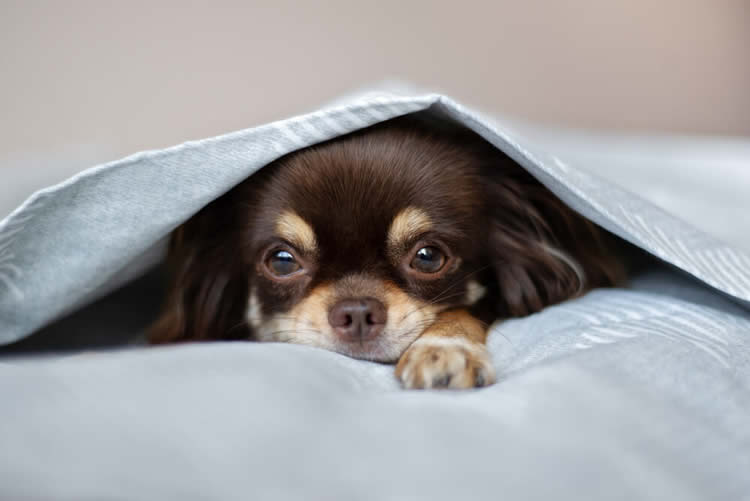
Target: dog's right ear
{"points": [[208, 289], [541, 250]]}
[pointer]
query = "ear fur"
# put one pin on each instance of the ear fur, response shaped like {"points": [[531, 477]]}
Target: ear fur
{"points": [[542, 251], [208, 291]]}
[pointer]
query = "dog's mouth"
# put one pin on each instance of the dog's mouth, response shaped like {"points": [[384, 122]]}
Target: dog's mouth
{"points": [[359, 316], [363, 327], [379, 344], [374, 350]]}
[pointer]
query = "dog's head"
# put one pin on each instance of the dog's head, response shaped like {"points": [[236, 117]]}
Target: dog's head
{"points": [[357, 244]]}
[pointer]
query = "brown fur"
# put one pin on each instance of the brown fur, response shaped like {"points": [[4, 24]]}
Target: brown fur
{"points": [[496, 225]]}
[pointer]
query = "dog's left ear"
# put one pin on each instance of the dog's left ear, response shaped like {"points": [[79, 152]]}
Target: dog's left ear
{"points": [[542, 251]]}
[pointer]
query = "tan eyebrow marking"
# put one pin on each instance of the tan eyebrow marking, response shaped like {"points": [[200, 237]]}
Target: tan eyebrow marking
{"points": [[296, 231], [408, 224]]}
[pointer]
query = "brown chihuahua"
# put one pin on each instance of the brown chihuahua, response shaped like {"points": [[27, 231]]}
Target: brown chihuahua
{"points": [[397, 243]]}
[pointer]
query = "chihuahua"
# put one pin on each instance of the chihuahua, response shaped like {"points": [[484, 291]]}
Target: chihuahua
{"points": [[400, 243]]}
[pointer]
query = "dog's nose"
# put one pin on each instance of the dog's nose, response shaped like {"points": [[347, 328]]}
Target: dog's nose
{"points": [[358, 319]]}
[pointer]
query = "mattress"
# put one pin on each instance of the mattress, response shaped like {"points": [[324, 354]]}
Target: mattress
{"points": [[641, 392]]}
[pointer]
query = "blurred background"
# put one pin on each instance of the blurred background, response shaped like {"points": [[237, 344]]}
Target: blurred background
{"points": [[84, 82]]}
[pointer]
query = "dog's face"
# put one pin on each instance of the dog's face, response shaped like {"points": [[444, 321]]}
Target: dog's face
{"points": [[358, 244], [355, 246]]}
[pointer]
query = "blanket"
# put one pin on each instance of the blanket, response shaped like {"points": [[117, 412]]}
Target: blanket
{"points": [[634, 393]]}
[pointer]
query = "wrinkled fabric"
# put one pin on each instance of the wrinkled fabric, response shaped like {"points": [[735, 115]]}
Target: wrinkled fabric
{"points": [[620, 394], [633, 393]]}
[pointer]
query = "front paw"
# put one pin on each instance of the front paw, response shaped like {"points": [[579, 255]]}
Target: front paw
{"points": [[445, 362]]}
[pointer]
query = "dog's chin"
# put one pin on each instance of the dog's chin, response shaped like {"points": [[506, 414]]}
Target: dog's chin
{"points": [[373, 351], [379, 349], [386, 347]]}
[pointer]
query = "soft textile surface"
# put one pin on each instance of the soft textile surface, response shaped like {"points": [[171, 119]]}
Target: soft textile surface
{"points": [[703, 180], [622, 394], [631, 394]]}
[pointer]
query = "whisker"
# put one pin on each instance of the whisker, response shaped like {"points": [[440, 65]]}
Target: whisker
{"points": [[241, 324], [458, 280], [441, 295], [296, 331], [432, 303], [296, 319], [274, 334]]}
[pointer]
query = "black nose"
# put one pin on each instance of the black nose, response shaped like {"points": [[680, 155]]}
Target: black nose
{"points": [[358, 319]]}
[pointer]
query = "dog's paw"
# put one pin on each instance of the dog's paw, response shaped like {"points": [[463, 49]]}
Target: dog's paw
{"points": [[445, 362]]}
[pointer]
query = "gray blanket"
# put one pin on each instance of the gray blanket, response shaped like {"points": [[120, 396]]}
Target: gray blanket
{"points": [[639, 393]]}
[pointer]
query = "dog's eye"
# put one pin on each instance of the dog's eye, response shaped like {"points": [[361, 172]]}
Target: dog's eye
{"points": [[428, 260], [282, 263]]}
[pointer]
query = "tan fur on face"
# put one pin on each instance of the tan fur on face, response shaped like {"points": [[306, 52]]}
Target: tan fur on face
{"points": [[407, 225], [307, 323], [297, 232], [253, 314], [303, 324], [474, 292]]}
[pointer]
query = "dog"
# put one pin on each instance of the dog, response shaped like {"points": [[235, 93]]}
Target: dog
{"points": [[400, 243]]}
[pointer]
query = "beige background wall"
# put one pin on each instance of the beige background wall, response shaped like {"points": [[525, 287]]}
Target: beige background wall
{"points": [[86, 82]]}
